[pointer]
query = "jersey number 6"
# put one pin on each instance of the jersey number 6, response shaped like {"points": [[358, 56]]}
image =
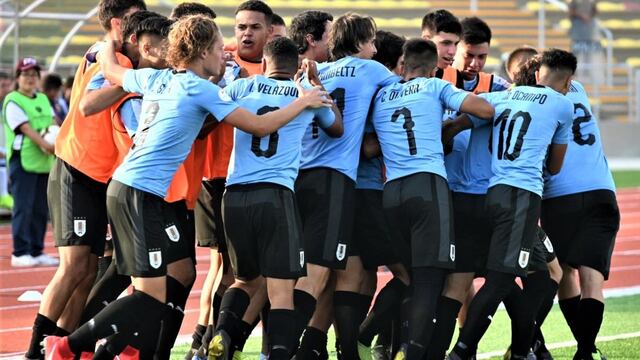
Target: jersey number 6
{"points": [[273, 138]]}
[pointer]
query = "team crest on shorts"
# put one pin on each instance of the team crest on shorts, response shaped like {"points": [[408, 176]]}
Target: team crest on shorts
{"points": [[547, 243], [301, 258], [80, 227], [341, 251], [173, 233], [155, 259], [523, 259]]}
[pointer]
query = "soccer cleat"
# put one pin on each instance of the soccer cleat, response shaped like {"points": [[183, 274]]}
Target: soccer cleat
{"points": [[402, 353], [57, 348], [220, 346], [453, 356], [190, 354], [364, 352], [129, 353], [237, 355], [541, 351], [596, 355], [380, 352]]}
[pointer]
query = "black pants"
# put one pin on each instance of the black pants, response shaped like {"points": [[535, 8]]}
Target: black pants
{"points": [[30, 211]]}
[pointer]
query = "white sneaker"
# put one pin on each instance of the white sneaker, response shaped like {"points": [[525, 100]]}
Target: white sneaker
{"points": [[23, 261], [46, 260]]}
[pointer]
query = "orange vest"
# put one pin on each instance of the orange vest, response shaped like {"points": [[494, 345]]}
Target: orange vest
{"points": [[483, 85], [220, 140], [86, 143], [195, 163]]}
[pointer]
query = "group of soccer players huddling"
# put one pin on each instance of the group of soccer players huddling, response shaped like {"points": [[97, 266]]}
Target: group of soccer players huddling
{"points": [[305, 163]]}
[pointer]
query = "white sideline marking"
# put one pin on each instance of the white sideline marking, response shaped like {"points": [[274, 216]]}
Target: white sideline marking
{"points": [[566, 344]]}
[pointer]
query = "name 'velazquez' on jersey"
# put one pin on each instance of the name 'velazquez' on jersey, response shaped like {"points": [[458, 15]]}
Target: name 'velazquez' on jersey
{"points": [[278, 90], [393, 95], [343, 71]]}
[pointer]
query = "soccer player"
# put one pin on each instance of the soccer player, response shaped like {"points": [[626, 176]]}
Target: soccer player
{"points": [[310, 31], [191, 8], [517, 58], [77, 196], [407, 118], [371, 233], [468, 173], [278, 27], [581, 216], [259, 211], [522, 131], [444, 29], [325, 187], [141, 181]]}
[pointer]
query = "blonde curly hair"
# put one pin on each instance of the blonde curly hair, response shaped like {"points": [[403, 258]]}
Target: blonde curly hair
{"points": [[189, 37]]}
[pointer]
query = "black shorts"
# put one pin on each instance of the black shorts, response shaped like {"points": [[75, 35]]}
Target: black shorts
{"points": [[583, 228], [208, 215], [77, 205], [371, 233], [419, 213], [263, 231], [472, 227], [326, 199], [142, 225], [179, 231], [514, 216], [542, 253]]}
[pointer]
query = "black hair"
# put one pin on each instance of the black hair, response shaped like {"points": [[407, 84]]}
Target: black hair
{"points": [[475, 31], [526, 75], [68, 81], [131, 22], [256, 5], [283, 52], [157, 25], [348, 32], [51, 82], [191, 8], [419, 54], [441, 21], [277, 20], [389, 47], [308, 22], [559, 60], [109, 9]]}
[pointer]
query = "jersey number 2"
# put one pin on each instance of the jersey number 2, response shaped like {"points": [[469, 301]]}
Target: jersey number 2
{"points": [[273, 138]]}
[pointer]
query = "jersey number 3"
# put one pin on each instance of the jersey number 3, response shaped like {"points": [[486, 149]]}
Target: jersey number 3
{"points": [[273, 138]]}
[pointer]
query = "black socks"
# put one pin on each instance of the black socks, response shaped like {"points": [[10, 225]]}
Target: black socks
{"points": [[387, 302], [427, 286], [590, 313], [281, 327], [446, 316], [347, 315], [42, 326], [304, 305]]}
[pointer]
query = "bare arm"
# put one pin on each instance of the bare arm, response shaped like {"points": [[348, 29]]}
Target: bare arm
{"points": [[477, 106], [451, 127], [336, 129], [112, 70], [310, 69], [555, 158], [29, 132], [94, 101], [263, 125], [371, 146]]}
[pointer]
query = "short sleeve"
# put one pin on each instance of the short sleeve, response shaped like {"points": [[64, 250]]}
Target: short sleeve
{"points": [[96, 82], [130, 113], [216, 101], [325, 117], [15, 116], [236, 89], [138, 81], [450, 96], [563, 131], [380, 75]]}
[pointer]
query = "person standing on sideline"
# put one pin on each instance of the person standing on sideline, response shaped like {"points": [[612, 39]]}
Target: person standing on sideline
{"points": [[6, 200], [26, 112]]}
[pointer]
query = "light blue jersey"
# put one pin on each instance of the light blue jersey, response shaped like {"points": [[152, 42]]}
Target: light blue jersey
{"points": [[585, 166], [352, 82], [370, 171], [527, 121], [174, 107], [130, 114], [274, 158], [407, 117], [456, 160]]}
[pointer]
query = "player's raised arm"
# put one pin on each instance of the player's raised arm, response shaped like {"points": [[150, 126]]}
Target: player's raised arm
{"points": [[477, 106], [452, 127], [310, 69], [112, 71], [263, 125], [95, 101]]}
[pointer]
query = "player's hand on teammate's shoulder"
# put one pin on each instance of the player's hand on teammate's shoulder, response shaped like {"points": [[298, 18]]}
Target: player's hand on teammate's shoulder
{"points": [[310, 70], [315, 97]]}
